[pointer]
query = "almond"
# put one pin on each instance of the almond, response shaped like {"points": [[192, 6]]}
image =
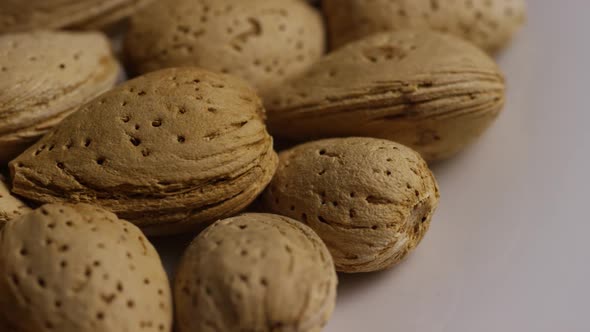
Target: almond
{"points": [[430, 91], [255, 272], [20, 16], [78, 268], [264, 42], [370, 200], [169, 151], [45, 77], [490, 24]]}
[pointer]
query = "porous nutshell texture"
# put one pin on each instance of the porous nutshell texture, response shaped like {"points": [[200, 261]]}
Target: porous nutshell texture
{"points": [[264, 42], [44, 77], [490, 24], [10, 206], [77, 268], [167, 151], [19, 16], [370, 200], [255, 272], [433, 92]]}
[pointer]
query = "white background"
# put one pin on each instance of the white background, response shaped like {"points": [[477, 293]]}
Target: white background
{"points": [[509, 248]]}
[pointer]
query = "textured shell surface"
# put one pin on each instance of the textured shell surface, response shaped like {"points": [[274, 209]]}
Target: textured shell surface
{"points": [[370, 200], [168, 151], [20, 16], [44, 77], [490, 24], [264, 42], [255, 272], [78, 268], [430, 91]]}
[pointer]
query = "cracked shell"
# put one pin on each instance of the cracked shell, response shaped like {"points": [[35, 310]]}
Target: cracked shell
{"points": [[168, 151], [10, 206], [19, 16], [430, 91], [264, 42], [255, 272], [370, 200], [44, 77], [488, 24], [77, 268]]}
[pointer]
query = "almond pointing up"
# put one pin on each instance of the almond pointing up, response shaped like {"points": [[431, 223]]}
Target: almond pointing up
{"points": [[78, 268], [262, 41]]}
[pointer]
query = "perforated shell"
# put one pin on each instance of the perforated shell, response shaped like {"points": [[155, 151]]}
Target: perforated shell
{"points": [[255, 272], [29, 15], [44, 77], [167, 151], [432, 92], [263, 42], [489, 24], [370, 200], [77, 268]]}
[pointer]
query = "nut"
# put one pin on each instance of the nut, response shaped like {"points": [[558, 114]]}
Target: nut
{"points": [[264, 42], [432, 92], [77, 268], [168, 151], [18, 16], [370, 200], [45, 77], [488, 24], [255, 272]]}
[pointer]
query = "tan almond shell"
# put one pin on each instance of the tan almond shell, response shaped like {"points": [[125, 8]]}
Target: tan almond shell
{"points": [[168, 151], [114, 14], [370, 200], [486, 23], [264, 42], [255, 272], [22, 16], [45, 76], [10, 206], [78, 268], [430, 91]]}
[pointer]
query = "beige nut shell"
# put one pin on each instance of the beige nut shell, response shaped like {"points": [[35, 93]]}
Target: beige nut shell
{"points": [[264, 42], [44, 77], [255, 272], [10, 206], [430, 91], [77, 268], [488, 24], [21, 16], [370, 200], [168, 151]]}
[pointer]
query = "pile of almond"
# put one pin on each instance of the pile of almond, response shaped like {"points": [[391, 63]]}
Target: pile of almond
{"points": [[317, 119]]}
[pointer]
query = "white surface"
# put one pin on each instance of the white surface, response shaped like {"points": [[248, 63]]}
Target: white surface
{"points": [[509, 248]]}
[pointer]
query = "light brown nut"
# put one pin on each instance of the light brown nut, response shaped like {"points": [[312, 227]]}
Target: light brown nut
{"points": [[167, 151], [77, 268], [10, 206], [19, 16], [45, 76], [430, 91], [370, 200], [490, 24], [264, 42], [255, 272]]}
